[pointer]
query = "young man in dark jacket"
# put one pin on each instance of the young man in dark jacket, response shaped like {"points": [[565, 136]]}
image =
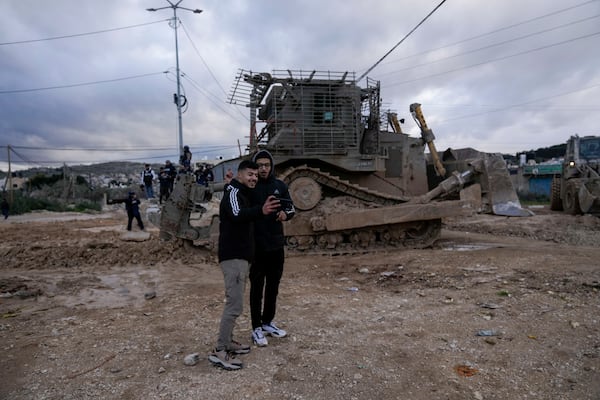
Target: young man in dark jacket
{"points": [[236, 251], [132, 205], [267, 268]]}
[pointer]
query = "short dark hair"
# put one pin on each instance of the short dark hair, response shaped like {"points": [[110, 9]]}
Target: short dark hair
{"points": [[247, 164]]}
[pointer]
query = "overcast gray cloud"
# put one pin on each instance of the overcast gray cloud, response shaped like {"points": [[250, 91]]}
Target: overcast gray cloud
{"points": [[496, 75]]}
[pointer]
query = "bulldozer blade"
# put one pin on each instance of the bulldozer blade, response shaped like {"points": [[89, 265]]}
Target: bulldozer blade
{"points": [[499, 189], [589, 197]]}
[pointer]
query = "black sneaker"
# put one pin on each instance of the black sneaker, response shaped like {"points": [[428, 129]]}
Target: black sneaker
{"points": [[223, 359]]}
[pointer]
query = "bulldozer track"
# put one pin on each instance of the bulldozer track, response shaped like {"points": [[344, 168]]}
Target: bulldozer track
{"points": [[416, 234], [350, 189]]}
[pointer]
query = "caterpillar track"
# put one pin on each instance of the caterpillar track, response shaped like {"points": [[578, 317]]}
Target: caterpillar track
{"points": [[332, 182], [337, 216]]}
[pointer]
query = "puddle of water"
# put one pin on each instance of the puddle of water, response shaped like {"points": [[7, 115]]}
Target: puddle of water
{"points": [[468, 247]]}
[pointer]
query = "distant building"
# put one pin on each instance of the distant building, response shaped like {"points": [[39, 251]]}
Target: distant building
{"points": [[535, 178]]}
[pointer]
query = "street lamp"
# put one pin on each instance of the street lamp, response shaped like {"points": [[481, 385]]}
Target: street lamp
{"points": [[178, 98]]}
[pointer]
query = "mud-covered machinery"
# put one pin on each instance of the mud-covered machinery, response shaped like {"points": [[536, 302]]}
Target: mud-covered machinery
{"points": [[577, 189], [356, 179]]}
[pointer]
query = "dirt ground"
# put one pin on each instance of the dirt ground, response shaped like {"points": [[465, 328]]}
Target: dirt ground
{"points": [[86, 314]]}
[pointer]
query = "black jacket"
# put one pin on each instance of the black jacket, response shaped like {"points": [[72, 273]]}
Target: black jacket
{"points": [[236, 227], [132, 205], [269, 231]]}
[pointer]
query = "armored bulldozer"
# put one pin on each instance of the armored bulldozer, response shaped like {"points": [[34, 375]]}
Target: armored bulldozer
{"points": [[576, 190], [356, 180]]}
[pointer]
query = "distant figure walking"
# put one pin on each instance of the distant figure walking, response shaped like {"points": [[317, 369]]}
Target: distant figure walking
{"points": [[5, 208], [132, 205], [148, 180]]}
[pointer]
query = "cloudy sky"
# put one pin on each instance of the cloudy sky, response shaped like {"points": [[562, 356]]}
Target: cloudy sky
{"points": [[85, 81]]}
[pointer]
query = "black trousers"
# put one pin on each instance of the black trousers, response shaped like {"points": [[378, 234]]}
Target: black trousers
{"points": [[131, 216], [164, 193], [265, 275]]}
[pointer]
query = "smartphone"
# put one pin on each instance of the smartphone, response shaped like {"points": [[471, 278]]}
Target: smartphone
{"points": [[285, 202]]}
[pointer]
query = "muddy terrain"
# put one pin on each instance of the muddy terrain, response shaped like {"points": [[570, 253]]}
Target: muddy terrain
{"points": [[499, 308]]}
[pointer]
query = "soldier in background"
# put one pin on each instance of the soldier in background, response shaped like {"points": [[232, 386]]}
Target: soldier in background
{"points": [[171, 173], [186, 160], [164, 181], [148, 178]]}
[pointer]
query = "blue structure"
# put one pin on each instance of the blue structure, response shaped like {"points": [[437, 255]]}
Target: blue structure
{"points": [[540, 177]]}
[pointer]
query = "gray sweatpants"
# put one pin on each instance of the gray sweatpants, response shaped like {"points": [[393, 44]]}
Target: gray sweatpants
{"points": [[235, 274]]}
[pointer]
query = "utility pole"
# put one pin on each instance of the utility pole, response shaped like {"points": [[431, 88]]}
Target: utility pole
{"points": [[179, 101]]}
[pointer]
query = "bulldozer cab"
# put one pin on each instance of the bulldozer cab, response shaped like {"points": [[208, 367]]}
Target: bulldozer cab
{"points": [[577, 189], [589, 148]]}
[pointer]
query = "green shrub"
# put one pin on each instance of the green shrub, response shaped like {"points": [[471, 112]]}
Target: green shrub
{"points": [[23, 203]]}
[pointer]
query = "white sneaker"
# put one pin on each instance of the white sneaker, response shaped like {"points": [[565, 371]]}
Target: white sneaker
{"points": [[273, 330], [259, 338]]}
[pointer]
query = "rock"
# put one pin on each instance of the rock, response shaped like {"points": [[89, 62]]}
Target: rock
{"points": [[191, 359], [574, 324], [149, 295], [135, 236]]}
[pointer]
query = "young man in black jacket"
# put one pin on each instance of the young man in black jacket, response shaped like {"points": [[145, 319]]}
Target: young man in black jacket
{"points": [[236, 251], [267, 268], [132, 205]]}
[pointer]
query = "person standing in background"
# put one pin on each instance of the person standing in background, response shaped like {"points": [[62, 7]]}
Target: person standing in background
{"points": [[186, 160], [171, 173], [5, 208], [148, 178], [164, 181]]}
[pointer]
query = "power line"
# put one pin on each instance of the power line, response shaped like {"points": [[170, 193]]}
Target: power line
{"points": [[491, 45], [206, 92], [109, 149], [81, 84], [493, 60], [492, 32], [202, 58], [525, 103], [400, 42], [81, 34], [211, 74]]}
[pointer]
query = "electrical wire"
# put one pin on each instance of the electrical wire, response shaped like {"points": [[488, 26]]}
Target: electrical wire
{"points": [[490, 46], [24, 158], [202, 58], [204, 92], [81, 34], [490, 32], [400, 42], [525, 103], [210, 72], [80, 84], [492, 60]]}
